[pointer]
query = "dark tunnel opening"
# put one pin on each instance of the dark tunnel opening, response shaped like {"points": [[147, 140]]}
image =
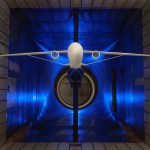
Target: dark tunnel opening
{"points": [[120, 95], [87, 90]]}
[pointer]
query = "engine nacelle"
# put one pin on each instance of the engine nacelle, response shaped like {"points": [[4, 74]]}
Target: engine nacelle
{"points": [[54, 55], [96, 55]]}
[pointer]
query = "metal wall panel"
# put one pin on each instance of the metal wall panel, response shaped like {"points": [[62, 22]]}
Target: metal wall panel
{"points": [[21, 4], [77, 3], [3, 49], [43, 3], [3, 95], [3, 106], [2, 118], [119, 4], [140, 4], [130, 4], [32, 4], [65, 3], [97, 3], [86, 3], [3, 84], [11, 3], [131, 95], [4, 16], [54, 3], [108, 4], [25, 95], [3, 72]]}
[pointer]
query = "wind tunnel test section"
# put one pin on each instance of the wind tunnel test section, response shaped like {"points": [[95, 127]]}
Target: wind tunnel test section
{"points": [[39, 93]]}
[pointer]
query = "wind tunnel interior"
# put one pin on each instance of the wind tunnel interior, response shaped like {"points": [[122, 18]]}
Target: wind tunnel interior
{"points": [[32, 99]]}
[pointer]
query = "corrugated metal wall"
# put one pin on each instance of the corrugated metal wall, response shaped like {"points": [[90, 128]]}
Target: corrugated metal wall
{"points": [[27, 91], [130, 82]]}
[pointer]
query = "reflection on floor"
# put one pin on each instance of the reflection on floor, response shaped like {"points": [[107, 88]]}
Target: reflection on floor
{"points": [[57, 130], [72, 146]]}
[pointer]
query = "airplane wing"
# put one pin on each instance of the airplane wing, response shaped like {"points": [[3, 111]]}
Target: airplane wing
{"points": [[54, 55], [95, 54], [88, 51], [34, 53], [117, 54]]}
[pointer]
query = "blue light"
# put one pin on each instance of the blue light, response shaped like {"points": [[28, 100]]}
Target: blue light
{"points": [[111, 47]]}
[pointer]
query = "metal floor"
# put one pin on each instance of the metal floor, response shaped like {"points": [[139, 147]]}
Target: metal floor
{"points": [[81, 146], [57, 130]]}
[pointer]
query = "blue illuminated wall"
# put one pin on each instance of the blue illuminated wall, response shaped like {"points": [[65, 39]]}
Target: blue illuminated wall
{"points": [[34, 94], [49, 29], [94, 33], [26, 97], [130, 88]]}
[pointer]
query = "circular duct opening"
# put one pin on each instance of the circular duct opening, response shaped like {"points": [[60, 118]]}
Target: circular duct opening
{"points": [[86, 93]]}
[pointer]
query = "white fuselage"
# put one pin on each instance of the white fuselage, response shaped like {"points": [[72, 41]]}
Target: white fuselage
{"points": [[75, 55]]}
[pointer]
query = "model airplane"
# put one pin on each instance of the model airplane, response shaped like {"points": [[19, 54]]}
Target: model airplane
{"points": [[75, 55]]}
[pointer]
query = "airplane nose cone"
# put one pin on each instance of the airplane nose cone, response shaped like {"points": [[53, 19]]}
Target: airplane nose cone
{"points": [[75, 54], [75, 45]]}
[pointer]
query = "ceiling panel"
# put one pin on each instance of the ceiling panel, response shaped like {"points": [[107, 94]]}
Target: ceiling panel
{"points": [[65, 3], [87, 3], [130, 3], [140, 3], [21, 3], [108, 3], [5, 6], [54, 3], [75, 3], [98, 3], [43, 3], [11, 3], [32, 3], [119, 3]]}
